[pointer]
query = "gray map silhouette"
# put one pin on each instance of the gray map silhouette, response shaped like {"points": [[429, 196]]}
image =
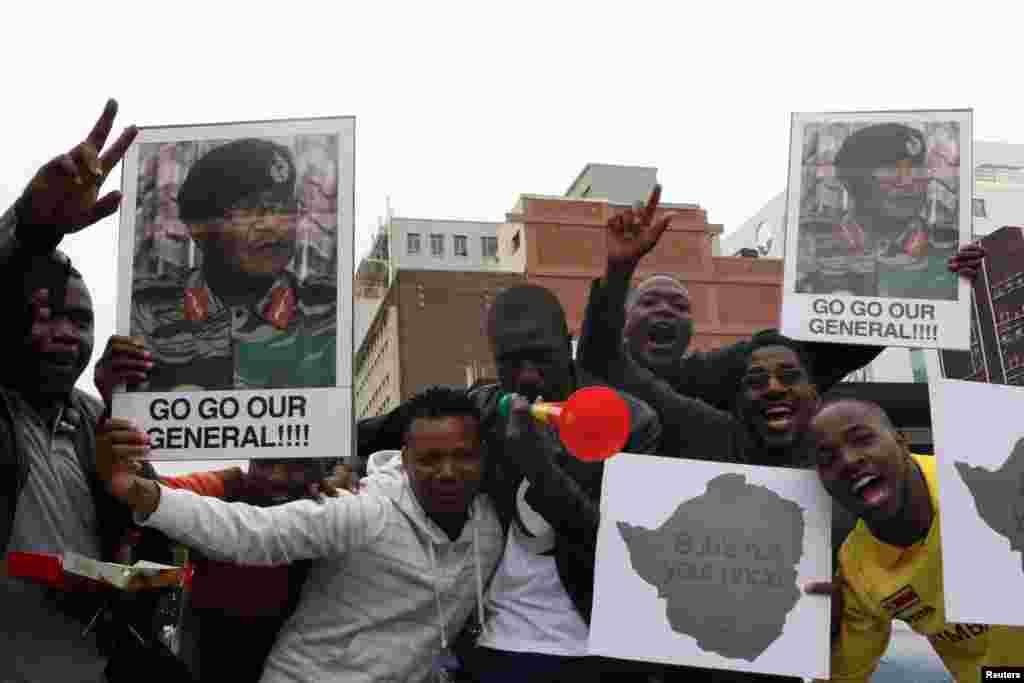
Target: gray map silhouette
{"points": [[725, 562], [999, 496]]}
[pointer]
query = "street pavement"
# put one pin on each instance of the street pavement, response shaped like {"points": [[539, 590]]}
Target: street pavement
{"points": [[910, 659]]}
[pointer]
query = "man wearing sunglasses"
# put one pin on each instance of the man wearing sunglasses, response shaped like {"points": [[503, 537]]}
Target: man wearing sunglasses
{"points": [[242, 318]]}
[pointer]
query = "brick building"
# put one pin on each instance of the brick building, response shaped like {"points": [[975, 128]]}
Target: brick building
{"points": [[428, 327], [559, 243], [428, 330]]}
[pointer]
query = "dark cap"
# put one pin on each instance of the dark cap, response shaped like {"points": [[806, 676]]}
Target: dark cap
{"points": [[528, 310], [880, 145], [233, 171]]}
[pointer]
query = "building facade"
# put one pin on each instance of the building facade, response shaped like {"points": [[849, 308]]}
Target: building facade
{"points": [[419, 244], [428, 330], [559, 243], [427, 327]]}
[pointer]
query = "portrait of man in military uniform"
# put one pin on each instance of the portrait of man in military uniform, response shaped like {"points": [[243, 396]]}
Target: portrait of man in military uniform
{"points": [[243, 293], [879, 210]]}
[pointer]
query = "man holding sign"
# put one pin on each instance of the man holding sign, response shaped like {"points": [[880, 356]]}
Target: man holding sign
{"points": [[891, 563], [51, 500]]}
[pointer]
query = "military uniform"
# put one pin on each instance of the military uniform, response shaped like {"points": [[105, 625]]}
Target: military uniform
{"points": [[909, 260], [871, 254], [285, 338], [288, 338]]}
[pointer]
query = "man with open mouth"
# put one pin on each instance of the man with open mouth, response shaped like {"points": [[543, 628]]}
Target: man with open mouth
{"points": [[243, 318], [763, 390], [891, 563]]}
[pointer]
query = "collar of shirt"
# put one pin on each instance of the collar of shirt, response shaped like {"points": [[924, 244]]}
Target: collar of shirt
{"points": [[277, 306]]}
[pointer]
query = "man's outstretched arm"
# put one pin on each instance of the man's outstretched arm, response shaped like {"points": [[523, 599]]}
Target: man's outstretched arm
{"points": [[240, 533]]}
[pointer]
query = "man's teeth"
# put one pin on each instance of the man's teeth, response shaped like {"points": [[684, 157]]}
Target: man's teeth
{"points": [[862, 482], [779, 413]]}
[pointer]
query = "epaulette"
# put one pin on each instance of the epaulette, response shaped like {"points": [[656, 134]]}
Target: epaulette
{"points": [[318, 289]]}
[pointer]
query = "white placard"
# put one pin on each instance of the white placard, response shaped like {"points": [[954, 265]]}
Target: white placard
{"points": [[235, 265], [713, 570], [220, 425], [979, 455], [876, 204]]}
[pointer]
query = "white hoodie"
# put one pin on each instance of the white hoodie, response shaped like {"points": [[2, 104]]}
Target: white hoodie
{"points": [[390, 587]]}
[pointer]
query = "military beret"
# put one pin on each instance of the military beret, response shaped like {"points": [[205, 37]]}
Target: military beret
{"points": [[880, 145], [231, 172]]}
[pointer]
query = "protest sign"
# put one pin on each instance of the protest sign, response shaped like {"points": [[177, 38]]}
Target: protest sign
{"points": [[997, 316], [979, 449], [706, 568], [875, 207], [235, 258]]}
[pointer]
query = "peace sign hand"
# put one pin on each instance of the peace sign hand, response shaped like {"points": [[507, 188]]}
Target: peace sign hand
{"points": [[634, 232], [63, 197]]}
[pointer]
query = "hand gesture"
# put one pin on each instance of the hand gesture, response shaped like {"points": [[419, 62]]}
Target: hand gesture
{"points": [[124, 361], [967, 262], [634, 232], [63, 196], [530, 441], [119, 447], [342, 480]]}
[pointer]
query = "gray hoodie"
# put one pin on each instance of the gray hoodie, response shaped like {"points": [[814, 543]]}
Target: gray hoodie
{"points": [[389, 590]]}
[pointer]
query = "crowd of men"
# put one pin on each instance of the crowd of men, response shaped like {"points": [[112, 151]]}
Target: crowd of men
{"points": [[459, 544]]}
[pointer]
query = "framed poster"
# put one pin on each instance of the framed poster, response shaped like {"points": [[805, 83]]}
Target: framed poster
{"points": [[234, 267], [979, 449], [876, 205]]}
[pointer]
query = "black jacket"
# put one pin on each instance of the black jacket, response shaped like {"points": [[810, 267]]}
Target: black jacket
{"points": [[20, 248]]}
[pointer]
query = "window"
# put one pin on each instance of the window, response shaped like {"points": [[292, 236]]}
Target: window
{"points": [[459, 246], [437, 245], [515, 243], [764, 238], [413, 243], [489, 247], [979, 208]]}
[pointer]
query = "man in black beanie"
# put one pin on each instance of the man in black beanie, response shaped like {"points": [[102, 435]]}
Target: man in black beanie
{"points": [[540, 597], [242, 319]]}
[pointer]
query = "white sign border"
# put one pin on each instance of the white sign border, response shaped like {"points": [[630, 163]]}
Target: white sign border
{"points": [[337, 402], [803, 649], [797, 307], [977, 423]]}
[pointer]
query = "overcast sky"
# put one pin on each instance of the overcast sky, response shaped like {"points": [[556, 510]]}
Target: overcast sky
{"points": [[461, 107]]}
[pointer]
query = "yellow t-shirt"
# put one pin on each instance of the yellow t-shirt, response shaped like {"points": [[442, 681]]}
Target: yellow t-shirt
{"points": [[885, 582]]}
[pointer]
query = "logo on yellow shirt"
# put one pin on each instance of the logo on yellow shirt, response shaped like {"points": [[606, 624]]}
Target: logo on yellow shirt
{"points": [[902, 600], [918, 616]]}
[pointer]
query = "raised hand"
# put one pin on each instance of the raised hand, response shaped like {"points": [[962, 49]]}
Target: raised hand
{"points": [[632, 233], [967, 262], [124, 361], [63, 197], [342, 480]]}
